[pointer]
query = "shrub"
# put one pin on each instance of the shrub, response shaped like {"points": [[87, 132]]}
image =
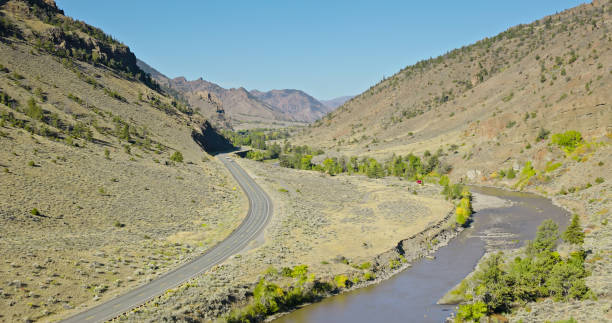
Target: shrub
{"points": [[510, 173], [472, 312], [31, 163], [568, 141], [444, 181], [464, 209], [342, 281], [300, 272], [526, 174], [115, 95], [394, 263], [452, 191], [599, 180], [550, 166], [508, 97], [35, 212], [33, 110], [177, 157], [462, 215], [118, 224]]}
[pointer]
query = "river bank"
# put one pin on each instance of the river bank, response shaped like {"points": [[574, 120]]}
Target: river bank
{"points": [[348, 226], [592, 204], [412, 295]]}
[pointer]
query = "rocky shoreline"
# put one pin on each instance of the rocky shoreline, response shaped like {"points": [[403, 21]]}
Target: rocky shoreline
{"points": [[411, 249], [593, 203]]}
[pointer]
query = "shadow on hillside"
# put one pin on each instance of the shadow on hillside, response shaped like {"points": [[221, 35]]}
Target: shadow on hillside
{"points": [[211, 141]]}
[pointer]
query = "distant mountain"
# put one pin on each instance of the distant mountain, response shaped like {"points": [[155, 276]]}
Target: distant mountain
{"points": [[242, 106], [336, 102], [238, 104], [298, 104]]}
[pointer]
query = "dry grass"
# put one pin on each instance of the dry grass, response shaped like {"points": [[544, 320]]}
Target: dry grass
{"points": [[106, 224], [317, 220]]}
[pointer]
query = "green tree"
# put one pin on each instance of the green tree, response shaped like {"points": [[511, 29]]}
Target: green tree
{"points": [[546, 237], [566, 281], [574, 234], [306, 162], [374, 169], [494, 285], [329, 166]]}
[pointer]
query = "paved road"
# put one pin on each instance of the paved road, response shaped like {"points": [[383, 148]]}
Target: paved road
{"points": [[260, 210]]}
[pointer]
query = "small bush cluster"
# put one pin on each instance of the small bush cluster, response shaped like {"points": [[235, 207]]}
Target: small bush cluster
{"points": [[177, 156], [269, 298], [463, 211], [568, 141], [526, 174], [498, 285]]}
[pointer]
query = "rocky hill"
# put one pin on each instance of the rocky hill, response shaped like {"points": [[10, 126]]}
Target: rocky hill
{"points": [[104, 180], [490, 105], [244, 108], [239, 105]]}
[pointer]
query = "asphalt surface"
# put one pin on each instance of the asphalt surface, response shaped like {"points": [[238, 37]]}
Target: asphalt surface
{"points": [[260, 210]]}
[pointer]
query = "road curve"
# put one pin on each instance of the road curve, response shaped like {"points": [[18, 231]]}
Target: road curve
{"points": [[260, 211]]}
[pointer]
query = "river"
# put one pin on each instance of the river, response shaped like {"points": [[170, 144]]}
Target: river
{"points": [[411, 295]]}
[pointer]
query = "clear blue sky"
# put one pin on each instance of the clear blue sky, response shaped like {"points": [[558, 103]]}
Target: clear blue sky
{"points": [[326, 48]]}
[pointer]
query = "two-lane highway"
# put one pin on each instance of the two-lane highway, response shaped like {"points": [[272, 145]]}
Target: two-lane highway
{"points": [[260, 211]]}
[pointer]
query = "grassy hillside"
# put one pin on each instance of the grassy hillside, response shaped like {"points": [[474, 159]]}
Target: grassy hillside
{"points": [[103, 185], [485, 105]]}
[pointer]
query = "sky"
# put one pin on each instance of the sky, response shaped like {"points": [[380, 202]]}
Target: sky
{"points": [[325, 48]]}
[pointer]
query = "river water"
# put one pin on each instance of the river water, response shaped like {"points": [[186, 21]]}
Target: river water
{"points": [[411, 295]]}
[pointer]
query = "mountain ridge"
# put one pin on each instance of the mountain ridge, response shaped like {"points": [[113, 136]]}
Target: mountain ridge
{"points": [[485, 104], [244, 106]]}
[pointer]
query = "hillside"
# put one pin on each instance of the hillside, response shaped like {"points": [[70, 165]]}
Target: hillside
{"points": [[485, 105], [529, 109], [103, 184], [332, 104]]}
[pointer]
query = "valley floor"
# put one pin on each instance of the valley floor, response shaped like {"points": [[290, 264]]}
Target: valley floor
{"points": [[330, 224]]}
